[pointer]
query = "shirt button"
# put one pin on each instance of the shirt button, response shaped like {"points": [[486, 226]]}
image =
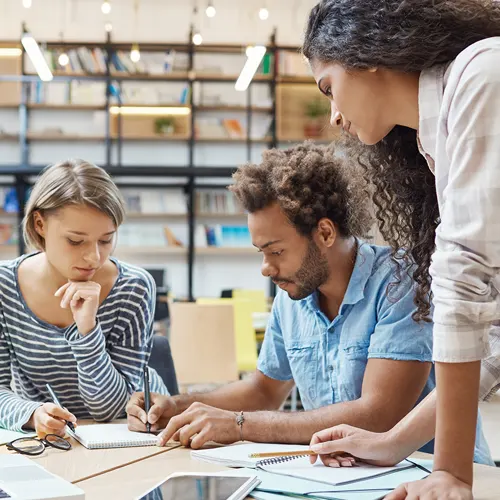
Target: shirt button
{"points": [[331, 368]]}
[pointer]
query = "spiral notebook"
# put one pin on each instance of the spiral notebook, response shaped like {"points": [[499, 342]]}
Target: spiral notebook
{"points": [[101, 436], [297, 466]]}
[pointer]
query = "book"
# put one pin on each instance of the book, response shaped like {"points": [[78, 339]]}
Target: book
{"points": [[100, 436]]}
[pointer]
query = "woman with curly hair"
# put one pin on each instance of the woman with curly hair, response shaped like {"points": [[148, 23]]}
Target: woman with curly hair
{"points": [[415, 86]]}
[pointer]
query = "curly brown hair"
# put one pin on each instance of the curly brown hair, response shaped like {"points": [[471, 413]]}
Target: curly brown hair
{"points": [[309, 183], [407, 36]]}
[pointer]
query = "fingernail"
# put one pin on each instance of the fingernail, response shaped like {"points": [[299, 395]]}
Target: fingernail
{"points": [[346, 464], [335, 465], [316, 447], [144, 419]]}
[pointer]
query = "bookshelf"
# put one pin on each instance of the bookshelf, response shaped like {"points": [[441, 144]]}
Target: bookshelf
{"points": [[288, 84]]}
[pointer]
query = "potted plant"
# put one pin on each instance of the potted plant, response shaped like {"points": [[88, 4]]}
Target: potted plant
{"points": [[165, 125], [315, 110]]}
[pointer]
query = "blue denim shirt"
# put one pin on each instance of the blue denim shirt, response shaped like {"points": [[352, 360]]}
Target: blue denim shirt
{"points": [[327, 359]]}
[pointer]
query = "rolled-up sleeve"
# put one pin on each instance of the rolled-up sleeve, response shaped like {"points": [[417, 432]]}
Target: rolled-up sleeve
{"points": [[467, 257]]}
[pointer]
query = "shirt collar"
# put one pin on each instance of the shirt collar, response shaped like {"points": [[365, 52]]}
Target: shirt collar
{"points": [[430, 96], [361, 272]]}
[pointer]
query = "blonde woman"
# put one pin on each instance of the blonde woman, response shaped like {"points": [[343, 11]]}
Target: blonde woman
{"points": [[70, 314]]}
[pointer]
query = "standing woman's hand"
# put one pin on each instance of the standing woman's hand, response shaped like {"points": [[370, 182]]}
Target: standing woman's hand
{"points": [[82, 297]]}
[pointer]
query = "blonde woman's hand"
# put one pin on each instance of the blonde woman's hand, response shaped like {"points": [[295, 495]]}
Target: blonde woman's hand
{"points": [[82, 297]]}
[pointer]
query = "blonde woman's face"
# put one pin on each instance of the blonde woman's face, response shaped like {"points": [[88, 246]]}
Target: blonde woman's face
{"points": [[78, 240]]}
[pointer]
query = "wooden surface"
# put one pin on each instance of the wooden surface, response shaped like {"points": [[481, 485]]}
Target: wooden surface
{"points": [[79, 463], [132, 481]]}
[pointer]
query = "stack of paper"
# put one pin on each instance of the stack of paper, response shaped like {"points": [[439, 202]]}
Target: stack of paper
{"points": [[297, 477]]}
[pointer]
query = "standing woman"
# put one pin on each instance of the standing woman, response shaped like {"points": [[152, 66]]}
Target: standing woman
{"points": [[417, 86]]}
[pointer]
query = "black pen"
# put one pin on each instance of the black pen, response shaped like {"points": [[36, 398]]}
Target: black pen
{"points": [[56, 401], [147, 397]]}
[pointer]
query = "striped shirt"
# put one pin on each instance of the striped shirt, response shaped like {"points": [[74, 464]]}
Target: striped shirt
{"points": [[94, 375], [459, 134]]}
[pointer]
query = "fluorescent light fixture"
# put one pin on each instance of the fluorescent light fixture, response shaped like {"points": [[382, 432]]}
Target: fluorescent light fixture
{"points": [[197, 38], [36, 57], [26, 4], [150, 110], [263, 14], [106, 7], [63, 59], [254, 57], [10, 51]]}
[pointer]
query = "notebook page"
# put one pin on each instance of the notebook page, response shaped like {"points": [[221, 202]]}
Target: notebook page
{"points": [[9, 436], [111, 436], [303, 469], [239, 455]]}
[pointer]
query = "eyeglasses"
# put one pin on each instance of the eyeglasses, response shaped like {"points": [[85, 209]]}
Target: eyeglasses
{"points": [[34, 446]]}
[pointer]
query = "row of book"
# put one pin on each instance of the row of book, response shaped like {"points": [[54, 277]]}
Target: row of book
{"points": [[217, 202], [94, 60], [151, 201], [158, 235]]}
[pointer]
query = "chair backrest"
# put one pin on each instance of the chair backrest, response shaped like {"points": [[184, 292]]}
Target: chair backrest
{"points": [[256, 297], [203, 344], [161, 360], [246, 342]]}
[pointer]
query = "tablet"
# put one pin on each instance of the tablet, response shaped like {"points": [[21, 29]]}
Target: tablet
{"points": [[198, 486]]}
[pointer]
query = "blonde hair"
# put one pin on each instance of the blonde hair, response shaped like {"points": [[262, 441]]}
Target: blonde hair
{"points": [[71, 182]]}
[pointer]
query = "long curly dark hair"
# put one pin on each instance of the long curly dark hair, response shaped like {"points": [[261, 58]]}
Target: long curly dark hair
{"points": [[406, 36]]}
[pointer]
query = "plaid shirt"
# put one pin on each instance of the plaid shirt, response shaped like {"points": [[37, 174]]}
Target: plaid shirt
{"points": [[459, 135]]}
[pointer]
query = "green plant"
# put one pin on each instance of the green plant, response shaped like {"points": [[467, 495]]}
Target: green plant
{"points": [[317, 107], [165, 124]]}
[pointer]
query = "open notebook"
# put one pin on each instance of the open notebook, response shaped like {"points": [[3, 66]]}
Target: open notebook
{"points": [[299, 467], [100, 436]]}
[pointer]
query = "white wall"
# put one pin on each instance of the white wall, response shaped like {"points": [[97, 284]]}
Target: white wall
{"points": [[158, 20]]}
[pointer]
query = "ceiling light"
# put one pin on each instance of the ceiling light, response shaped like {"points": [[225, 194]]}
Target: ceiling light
{"points": [[197, 38], [263, 14], [210, 12], [106, 7], [10, 51], [254, 58], [108, 27], [36, 57], [63, 59], [27, 4]]}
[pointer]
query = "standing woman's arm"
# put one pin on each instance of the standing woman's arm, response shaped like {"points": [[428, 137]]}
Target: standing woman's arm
{"points": [[467, 257]]}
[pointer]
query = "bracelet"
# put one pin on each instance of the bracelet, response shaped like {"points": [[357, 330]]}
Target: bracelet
{"points": [[240, 419]]}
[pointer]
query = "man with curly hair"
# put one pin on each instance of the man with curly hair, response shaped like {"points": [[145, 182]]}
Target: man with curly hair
{"points": [[342, 326]]}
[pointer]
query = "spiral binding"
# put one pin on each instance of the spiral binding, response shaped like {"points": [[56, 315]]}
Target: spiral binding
{"points": [[278, 460]]}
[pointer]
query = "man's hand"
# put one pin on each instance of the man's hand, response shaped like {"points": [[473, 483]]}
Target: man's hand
{"points": [[199, 424], [163, 408], [440, 485], [50, 419]]}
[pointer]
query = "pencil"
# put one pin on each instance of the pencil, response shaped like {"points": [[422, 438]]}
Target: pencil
{"points": [[283, 454]]}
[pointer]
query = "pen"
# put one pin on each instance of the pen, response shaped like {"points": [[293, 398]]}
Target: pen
{"points": [[56, 401], [302, 453], [147, 396]]}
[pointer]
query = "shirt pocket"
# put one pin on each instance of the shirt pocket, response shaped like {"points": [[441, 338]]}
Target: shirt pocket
{"points": [[352, 369], [303, 360]]}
